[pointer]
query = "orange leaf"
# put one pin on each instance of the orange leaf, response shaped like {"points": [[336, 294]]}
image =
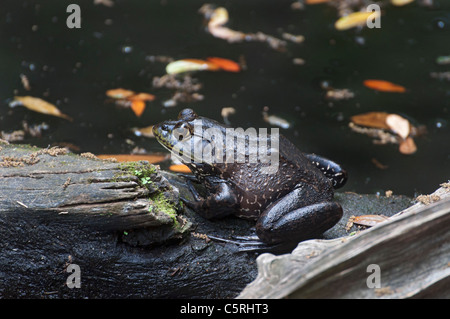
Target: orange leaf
{"points": [[142, 97], [138, 107], [151, 158], [180, 168], [119, 93], [316, 1], [225, 64], [371, 119], [384, 86]]}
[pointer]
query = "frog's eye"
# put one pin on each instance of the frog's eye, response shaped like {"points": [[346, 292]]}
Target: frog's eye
{"points": [[181, 132]]}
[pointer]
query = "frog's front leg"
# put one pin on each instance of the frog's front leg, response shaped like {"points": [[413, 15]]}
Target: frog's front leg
{"points": [[221, 201], [286, 221], [333, 171]]}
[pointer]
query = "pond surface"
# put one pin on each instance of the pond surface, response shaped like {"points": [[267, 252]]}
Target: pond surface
{"points": [[73, 68]]}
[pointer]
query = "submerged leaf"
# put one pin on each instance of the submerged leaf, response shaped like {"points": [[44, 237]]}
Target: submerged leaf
{"points": [[384, 86], [38, 105]]}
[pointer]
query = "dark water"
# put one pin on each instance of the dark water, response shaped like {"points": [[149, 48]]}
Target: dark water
{"points": [[74, 67]]}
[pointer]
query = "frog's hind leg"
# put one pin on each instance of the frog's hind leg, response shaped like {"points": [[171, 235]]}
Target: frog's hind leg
{"points": [[288, 220], [333, 171]]}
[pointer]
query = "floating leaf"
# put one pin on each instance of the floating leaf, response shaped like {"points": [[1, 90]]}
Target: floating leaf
{"points": [[179, 168], [138, 107], [277, 121], [355, 19], [225, 64], [227, 34], [119, 93], [218, 17], [369, 220], [401, 2], [384, 86], [38, 105], [407, 146], [151, 158], [316, 1], [227, 111], [144, 131], [398, 125], [142, 97], [371, 119], [187, 65]]}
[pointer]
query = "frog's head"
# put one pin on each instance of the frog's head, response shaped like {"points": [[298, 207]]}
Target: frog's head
{"points": [[190, 137]]}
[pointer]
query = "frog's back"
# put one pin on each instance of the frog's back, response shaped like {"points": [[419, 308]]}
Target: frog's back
{"points": [[258, 189]]}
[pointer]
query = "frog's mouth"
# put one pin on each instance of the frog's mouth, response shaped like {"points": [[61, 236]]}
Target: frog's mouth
{"points": [[163, 134], [184, 145]]}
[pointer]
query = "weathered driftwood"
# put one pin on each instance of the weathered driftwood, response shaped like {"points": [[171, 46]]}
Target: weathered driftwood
{"points": [[57, 210], [411, 249]]}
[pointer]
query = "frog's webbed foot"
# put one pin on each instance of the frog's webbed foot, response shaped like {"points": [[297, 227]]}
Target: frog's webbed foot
{"points": [[250, 244], [333, 171]]}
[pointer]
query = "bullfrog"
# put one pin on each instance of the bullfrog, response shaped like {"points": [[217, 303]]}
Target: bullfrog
{"points": [[290, 204]]}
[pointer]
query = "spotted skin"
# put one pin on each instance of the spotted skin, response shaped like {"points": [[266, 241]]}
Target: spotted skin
{"points": [[291, 205]]}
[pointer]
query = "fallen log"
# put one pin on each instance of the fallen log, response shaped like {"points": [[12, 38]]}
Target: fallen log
{"points": [[407, 256], [124, 227]]}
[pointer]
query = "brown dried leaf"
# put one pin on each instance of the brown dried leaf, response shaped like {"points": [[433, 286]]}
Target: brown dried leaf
{"points": [[371, 119], [369, 220], [407, 146]]}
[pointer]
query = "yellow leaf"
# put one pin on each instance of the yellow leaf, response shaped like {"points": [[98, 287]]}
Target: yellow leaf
{"points": [[187, 65], [38, 105], [355, 19], [400, 2], [218, 18]]}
